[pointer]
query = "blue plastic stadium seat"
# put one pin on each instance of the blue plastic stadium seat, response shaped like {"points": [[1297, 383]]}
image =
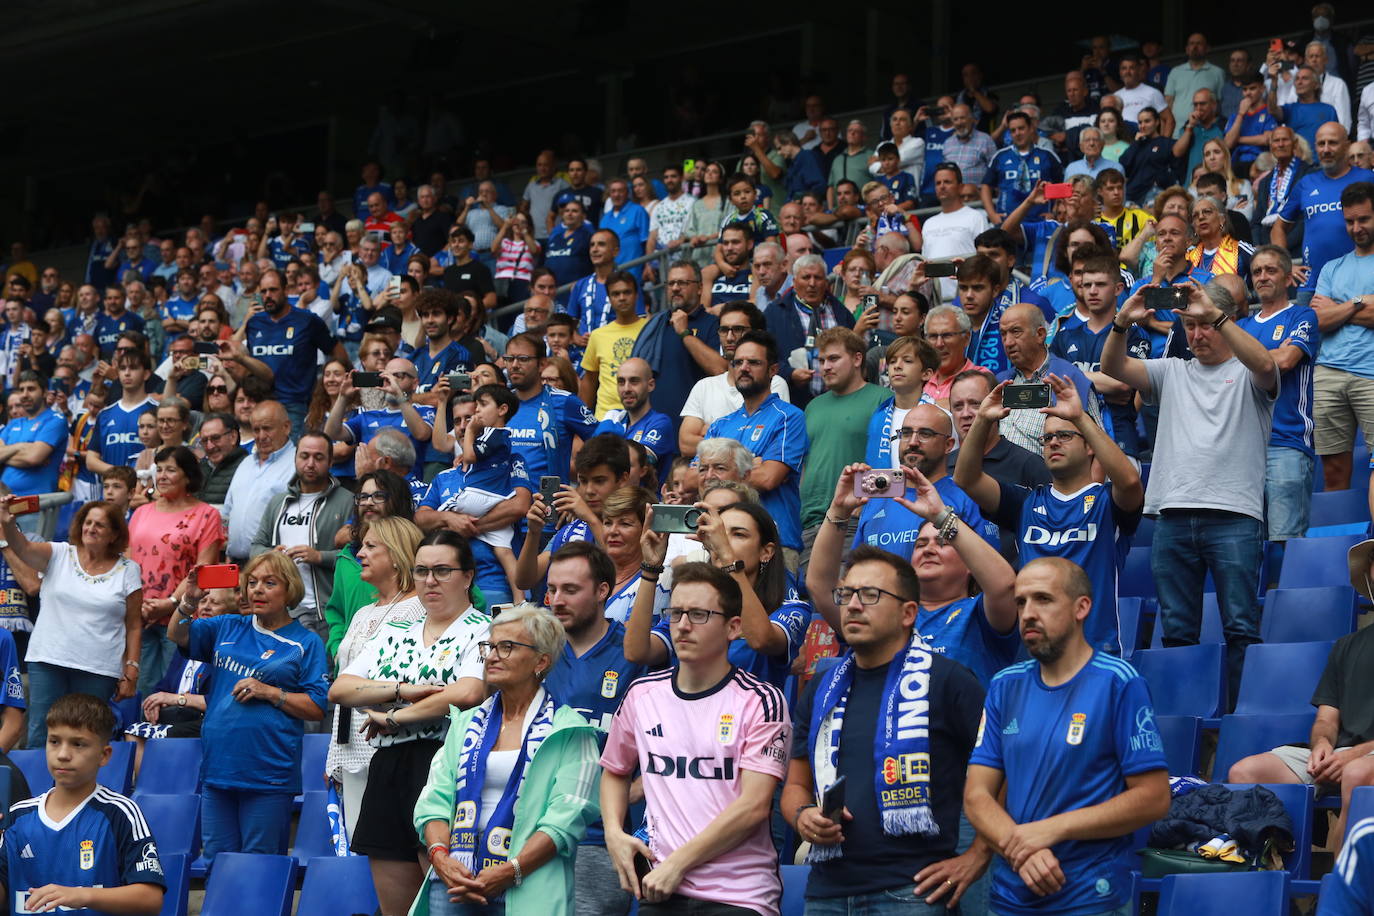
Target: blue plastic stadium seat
{"points": [[241, 883], [1361, 806], [794, 889], [1310, 562], [833, 256], [1137, 579], [313, 753], [1184, 680], [175, 822], [1339, 507], [34, 765], [1255, 893], [1308, 614], [178, 875], [1279, 677], [171, 766], [127, 712], [1242, 736], [118, 774], [1182, 737], [337, 886], [312, 831], [1137, 620]]}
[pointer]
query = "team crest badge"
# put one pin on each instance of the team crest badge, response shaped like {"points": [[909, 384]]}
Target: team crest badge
{"points": [[290, 332], [1278, 332], [465, 814], [725, 731], [1076, 725], [1088, 502], [268, 654], [891, 771], [608, 684], [87, 854], [758, 431]]}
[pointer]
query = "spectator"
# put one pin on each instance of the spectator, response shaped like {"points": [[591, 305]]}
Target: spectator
{"points": [[628, 221], [537, 200], [381, 494], [1149, 164], [609, 344], [484, 218], [1250, 122], [911, 150], [1306, 112], [92, 596], [981, 280], [1202, 125], [702, 687], [400, 412], [269, 679], [716, 396], [289, 341], [1239, 67], [168, 538], [259, 477], [681, 342], [950, 233], [35, 444], [967, 147], [1002, 461], [907, 313], [410, 673], [1078, 112], [1316, 197], [728, 278], [703, 224], [836, 423], [548, 420], [636, 420], [1115, 139], [467, 274], [429, 224], [582, 189], [1185, 81], [851, 163], [301, 523], [806, 169], [219, 440], [186, 379], [116, 432], [1329, 87], [1119, 221], [1015, 170], [1207, 523], [516, 251], [1294, 340], [979, 100], [1345, 364], [796, 321], [543, 799], [668, 220], [1054, 843], [1093, 163]]}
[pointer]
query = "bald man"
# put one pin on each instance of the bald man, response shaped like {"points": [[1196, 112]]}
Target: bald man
{"points": [[636, 418], [259, 477], [1023, 337], [1361, 155], [398, 386]]}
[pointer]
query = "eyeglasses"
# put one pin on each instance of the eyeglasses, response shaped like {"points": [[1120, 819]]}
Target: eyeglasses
{"points": [[216, 389], [1064, 435], [403, 375], [697, 615], [501, 650], [522, 360], [728, 331], [924, 434], [751, 363], [440, 573], [682, 283], [945, 335], [376, 496], [206, 437], [869, 595]]}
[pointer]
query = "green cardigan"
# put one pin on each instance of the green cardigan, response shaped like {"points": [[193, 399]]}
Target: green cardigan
{"points": [[559, 799]]}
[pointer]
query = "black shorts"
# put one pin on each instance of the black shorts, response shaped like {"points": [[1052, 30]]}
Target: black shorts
{"points": [[395, 778]]}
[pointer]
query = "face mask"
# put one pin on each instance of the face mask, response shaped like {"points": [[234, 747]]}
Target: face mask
{"points": [[1321, 23]]}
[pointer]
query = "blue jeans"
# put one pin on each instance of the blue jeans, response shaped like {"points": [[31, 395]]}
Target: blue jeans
{"points": [[1123, 910], [48, 683], [897, 901], [153, 658], [237, 820], [441, 905], [297, 414], [1187, 545], [975, 899], [1287, 492]]}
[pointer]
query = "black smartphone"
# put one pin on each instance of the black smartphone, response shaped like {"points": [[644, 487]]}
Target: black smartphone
{"points": [[941, 269], [206, 348], [1166, 297], [832, 801], [367, 380], [459, 381], [675, 519], [549, 487], [1029, 396], [642, 866]]}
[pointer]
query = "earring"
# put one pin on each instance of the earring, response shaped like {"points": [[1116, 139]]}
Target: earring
{"points": [[763, 565]]}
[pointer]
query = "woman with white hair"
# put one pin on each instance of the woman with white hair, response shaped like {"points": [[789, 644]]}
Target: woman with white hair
{"points": [[512, 791]]}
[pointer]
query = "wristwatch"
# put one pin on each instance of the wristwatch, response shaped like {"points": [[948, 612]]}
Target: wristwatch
{"points": [[731, 568], [4, 545], [181, 699]]}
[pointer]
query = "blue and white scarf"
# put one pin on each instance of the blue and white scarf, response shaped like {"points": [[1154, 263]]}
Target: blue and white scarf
{"points": [[478, 741], [901, 746]]}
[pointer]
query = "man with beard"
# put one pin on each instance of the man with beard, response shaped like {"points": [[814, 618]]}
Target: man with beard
{"points": [[1070, 735], [287, 340], [681, 341], [714, 397], [775, 431], [737, 250], [591, 677], [398, 385], [547, 421], [638, 420], [589, 301]]}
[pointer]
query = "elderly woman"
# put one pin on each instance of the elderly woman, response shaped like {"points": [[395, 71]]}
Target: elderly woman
{"points": [[87, 639], [409, 674], [622, 525], [268, 679], [1216, 250], [512, 791], [386, 558]]}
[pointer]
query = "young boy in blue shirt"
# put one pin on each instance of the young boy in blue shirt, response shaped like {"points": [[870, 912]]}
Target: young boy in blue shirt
{"points": [[486, 461], [900, 183], [80, 847]]}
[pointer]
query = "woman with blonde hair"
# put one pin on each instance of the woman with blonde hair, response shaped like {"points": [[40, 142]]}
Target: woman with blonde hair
{"points": [[1217, 158]]}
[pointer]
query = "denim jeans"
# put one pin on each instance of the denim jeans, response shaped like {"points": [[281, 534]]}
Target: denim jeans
{"points": [[48, 683], [1123, 910], [237, 820], [1287, 492], [897, 901], [975, 899], [297, 412], [1187, 545], [441, 905], [154, 657]]}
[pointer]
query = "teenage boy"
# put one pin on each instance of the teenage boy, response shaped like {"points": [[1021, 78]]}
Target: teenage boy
{"points": [[80, 846], [609, 345]]}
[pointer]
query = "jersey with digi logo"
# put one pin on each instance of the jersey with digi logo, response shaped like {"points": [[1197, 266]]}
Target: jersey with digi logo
{"points": [[1063, 748], [1295, 325], [289, 346], [108, 329], [103, 842], [116, 436], [282, 252]]}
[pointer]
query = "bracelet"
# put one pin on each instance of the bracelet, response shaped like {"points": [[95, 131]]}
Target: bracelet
{"points": [[181, 609], [398, 693], [647, 578], [429, 853], [653, 569], [1117, 329], [519, 872], [1217, 325], [796, 818], [841, 522], [391, 721], [132, 664], [281, 700]]}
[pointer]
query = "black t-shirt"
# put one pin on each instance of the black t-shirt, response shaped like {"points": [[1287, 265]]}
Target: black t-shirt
{"points": [[430, 233], [872, 861], [473, 275], [1348, 684]]}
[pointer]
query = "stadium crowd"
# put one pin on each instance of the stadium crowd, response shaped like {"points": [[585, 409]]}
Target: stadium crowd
{"points": [[607, 597]]}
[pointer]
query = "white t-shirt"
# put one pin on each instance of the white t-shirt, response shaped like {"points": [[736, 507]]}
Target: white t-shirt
{"points": [[295, 530], [82, 624], [951, 235], [714, 397], [1142, 96]]}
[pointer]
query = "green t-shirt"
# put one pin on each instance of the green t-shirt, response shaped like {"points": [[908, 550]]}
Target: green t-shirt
{"points": [[838, 430]]}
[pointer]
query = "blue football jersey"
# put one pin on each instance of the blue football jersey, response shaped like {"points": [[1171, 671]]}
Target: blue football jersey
{"points": [[1063, 748], [104, 842], [1296, 325], [362, 426], [1082, 346], [281, 252], [1352, 891], [595, 682], [542, 430], [116, 432], [776, 431], [1316, 199], [935, 138], [883, 523], [960, 630], [1013, 175], [290, 347], [1086, 528], [107, 330], [653, 430]]}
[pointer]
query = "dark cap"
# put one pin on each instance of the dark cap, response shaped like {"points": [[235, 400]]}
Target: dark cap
{"points": [[386, 318]]}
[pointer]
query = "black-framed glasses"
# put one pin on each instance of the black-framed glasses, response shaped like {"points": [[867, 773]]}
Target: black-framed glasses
{"points": [[376, 496], [216, 389], [728, 331], [521, 358], [501, 650], [440, 573], [697, 615], [869, 595], [1063, 435], [924, 434]]}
